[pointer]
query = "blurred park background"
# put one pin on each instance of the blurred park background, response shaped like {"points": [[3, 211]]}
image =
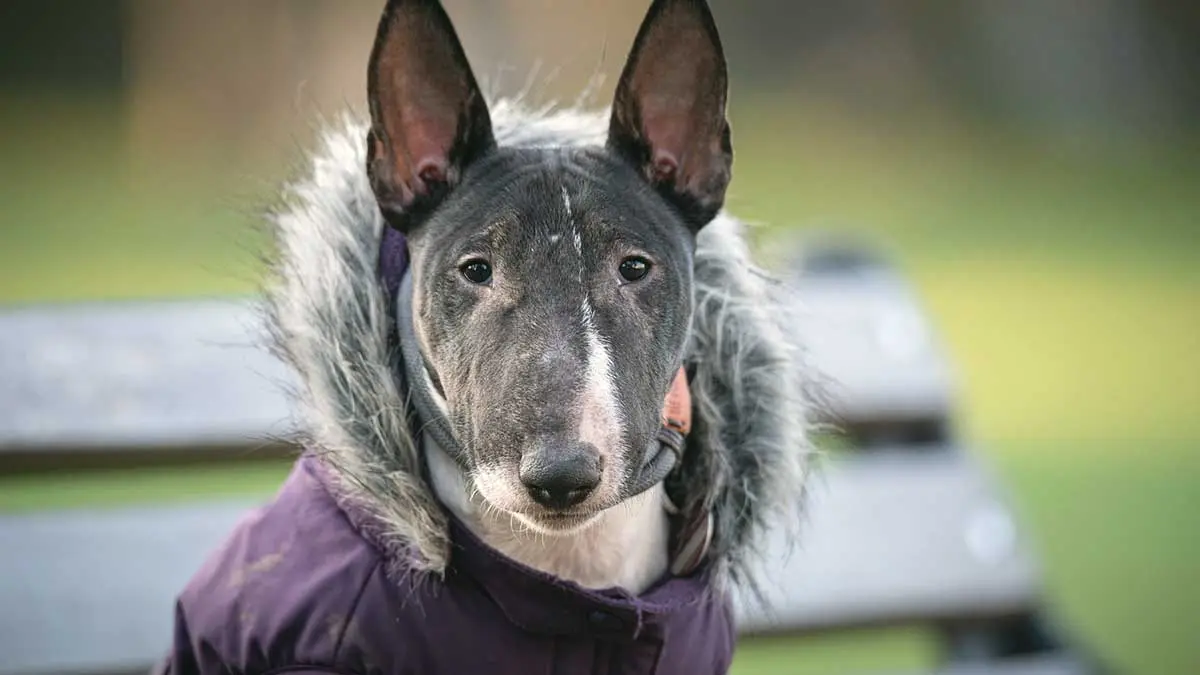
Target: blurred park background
{"points": [[1033, 165]]}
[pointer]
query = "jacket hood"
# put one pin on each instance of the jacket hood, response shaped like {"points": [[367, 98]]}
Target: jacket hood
{"points": [[330, 317]]}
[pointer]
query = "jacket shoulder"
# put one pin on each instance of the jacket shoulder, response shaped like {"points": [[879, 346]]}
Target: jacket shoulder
{"points": [[282, 591]]}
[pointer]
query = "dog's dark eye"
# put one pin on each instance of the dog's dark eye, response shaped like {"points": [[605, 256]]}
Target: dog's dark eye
{"points": [[634, 268], [476, 271]]}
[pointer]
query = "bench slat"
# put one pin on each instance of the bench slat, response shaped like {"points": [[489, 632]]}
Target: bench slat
{"points": [[893, 538], [169, 375]]}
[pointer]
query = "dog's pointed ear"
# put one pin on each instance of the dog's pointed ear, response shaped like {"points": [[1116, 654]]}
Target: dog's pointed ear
{"points": [[429, 119], [668, 115]]}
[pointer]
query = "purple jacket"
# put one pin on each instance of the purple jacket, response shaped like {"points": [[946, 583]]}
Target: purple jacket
{"points": [[355, 567], [303, 585]]}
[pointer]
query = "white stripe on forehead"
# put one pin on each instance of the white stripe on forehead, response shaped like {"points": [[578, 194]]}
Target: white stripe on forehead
{"points": [[600, 414], [574, 228], [567, 204]]}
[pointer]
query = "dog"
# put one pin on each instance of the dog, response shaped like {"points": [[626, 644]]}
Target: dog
{"points": [[550, 405]]}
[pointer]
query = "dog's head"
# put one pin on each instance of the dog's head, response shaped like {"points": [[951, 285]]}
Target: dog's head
{"points": [[552, 287]]}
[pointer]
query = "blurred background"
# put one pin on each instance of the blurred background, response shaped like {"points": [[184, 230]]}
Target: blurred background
{"points": [[1032, 165]]}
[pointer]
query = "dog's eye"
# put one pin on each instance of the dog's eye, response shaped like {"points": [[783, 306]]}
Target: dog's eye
{"points": [[634, 268], [476, 271]]}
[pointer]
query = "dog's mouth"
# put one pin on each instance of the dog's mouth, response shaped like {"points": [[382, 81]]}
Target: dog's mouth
{"points": [[500, 491], [556, 523]]}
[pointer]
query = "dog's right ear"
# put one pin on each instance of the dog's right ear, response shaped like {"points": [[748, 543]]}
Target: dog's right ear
{"points": [[428, 116]]}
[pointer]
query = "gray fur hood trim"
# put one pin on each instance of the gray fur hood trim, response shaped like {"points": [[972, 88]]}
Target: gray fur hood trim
{"points": [[328, 313]]}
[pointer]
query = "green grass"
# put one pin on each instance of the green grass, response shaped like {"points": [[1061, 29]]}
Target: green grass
{"points": [[936, 190], [1070, 350], [82, 220], [891, 650], [1117, 527], [140, 486]]}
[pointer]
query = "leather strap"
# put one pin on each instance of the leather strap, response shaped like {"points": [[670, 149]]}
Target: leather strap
{"points": [[677, 408], [416, 377]]}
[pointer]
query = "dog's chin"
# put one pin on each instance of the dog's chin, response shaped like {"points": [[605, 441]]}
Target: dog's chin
{"points": [[557, 525]]}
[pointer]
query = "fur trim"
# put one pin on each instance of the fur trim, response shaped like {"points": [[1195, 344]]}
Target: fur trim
{"points": [[328, 314]]}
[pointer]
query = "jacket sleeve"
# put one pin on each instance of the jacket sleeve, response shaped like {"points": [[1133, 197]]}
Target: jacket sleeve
{"points": [[181, 658], [188, 656]]}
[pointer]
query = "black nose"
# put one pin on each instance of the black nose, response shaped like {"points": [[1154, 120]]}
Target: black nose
{"points": [[561, 477]]}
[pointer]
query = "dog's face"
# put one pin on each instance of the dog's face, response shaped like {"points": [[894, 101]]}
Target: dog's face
{"points": [[552, 286], [552, 296]]}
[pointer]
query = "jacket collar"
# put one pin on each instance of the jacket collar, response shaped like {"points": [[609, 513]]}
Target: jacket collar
{"points": [[541, 603]]}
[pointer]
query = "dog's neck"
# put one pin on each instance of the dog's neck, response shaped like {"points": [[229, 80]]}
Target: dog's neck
{"points": [[625, 547]]}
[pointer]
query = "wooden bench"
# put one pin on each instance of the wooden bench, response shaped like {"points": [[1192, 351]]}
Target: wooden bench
{"points": [[907, 529]]}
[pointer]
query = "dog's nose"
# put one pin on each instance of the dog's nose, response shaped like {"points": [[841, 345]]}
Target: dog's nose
{"points": [[561, 477]]}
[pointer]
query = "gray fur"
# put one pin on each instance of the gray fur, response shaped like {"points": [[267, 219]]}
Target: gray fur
{"points": [[327, 311]]}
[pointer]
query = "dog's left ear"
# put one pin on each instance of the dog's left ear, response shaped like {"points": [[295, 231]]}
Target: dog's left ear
{"points": [[668, 115], [429, 119]]}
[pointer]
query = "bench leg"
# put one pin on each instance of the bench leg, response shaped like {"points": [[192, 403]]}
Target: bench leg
{"points": [[1027, 635]]}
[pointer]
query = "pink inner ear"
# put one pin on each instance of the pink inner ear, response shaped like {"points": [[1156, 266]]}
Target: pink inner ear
{"points": [[677, 138], [424, 100], [424, 142], [664, 166], [677, 83], [431, 171]]}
